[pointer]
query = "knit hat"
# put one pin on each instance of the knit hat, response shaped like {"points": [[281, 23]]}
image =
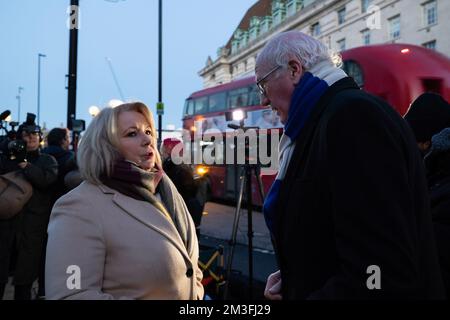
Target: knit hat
{"points": [[440, 142], [428, 114], [167, 146]]}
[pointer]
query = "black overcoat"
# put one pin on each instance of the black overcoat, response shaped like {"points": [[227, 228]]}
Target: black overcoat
{"points": [[355, 196]]}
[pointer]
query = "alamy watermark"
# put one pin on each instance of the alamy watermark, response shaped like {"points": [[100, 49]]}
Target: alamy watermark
{"points": [[373, 22], [238, 147], [73, 282], [374, 281], [73, 21]]}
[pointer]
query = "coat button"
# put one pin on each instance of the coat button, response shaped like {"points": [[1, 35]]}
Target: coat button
{"points": [[189, 272]]}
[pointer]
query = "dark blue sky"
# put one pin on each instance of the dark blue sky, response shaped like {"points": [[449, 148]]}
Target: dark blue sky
{"points": [[124, 31]]}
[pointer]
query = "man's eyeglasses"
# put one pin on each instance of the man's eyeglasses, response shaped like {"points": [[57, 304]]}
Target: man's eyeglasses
{"points": [[259, 83]]}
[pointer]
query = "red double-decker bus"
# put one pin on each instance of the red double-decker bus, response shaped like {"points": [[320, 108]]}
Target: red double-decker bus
{"points": [[397, 73]]}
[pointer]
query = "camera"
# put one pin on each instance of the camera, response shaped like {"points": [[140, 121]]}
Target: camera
{"points": [[17, 150], [78, 125]]}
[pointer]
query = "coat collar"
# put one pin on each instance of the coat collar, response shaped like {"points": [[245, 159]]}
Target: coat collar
{"points": [[148, 215], [305, 137]]}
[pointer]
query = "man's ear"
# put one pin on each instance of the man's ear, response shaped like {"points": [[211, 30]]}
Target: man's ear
{"points": [[295, 70]]}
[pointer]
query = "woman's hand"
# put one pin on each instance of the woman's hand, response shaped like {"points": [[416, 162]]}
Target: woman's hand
{"points": [[273, 287]]}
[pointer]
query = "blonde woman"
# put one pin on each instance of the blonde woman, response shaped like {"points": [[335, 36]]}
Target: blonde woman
{"points": [[125, 232]]}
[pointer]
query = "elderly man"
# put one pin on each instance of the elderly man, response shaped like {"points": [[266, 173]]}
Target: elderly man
{"points": [[349, 211]]}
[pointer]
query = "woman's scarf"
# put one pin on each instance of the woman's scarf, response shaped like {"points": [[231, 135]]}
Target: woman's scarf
{"points": [[313, 84], [131, 180]]}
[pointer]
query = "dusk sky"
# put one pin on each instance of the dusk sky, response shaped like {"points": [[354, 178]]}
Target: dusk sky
{"points": [[126, 32]]}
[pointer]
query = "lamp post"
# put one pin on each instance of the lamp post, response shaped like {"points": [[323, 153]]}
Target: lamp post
{"points": [[73, 60], [18, 97], [160, 105], [40, 55]]}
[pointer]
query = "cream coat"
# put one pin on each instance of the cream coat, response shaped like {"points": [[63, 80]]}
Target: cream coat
{"points": [[124, 248]]}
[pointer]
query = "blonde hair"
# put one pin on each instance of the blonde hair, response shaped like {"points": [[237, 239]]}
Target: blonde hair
{"points": [[98, 148]]}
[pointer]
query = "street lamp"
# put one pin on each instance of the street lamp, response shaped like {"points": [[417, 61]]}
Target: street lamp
{"points": [[18, 97], [114, 103], [94, 111], [40, 55]]}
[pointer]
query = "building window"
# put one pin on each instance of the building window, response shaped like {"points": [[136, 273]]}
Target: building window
{"points": [[266, 24], [430, 13], [292, 6], [234, 46], [366, 37], [430, 45], [244, 39], [315, 29], [394, 28], [341, 16], [254, 28], [341, 44], [365, 4], [278, 11]]}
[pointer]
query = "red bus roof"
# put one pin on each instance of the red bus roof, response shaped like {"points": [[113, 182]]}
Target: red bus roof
{"points": [[236, 84], [411, 71], [398, 73]]}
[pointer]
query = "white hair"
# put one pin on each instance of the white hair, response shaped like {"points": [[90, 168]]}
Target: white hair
{"points": [[98, 149], [294, 44]]}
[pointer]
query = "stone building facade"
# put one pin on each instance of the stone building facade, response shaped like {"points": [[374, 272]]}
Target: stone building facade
{"points": [[340, 24]]}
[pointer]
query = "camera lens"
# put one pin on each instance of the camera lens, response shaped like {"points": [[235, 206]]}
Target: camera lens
{"points": [[17, 146]]}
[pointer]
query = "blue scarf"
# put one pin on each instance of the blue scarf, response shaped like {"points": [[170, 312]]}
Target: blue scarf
{"points": [[307, 93]]}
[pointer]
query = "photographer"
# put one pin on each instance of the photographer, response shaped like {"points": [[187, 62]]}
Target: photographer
{"points": [[25, 232]]}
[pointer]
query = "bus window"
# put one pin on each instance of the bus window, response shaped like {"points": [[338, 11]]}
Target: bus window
{"points": [[238, 98], [189, 108], [254, 99], [354, 70], [201, 105], [432, 85], [218, 102]]}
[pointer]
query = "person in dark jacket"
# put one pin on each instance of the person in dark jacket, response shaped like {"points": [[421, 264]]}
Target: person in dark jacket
{"points": [[428, 115], [25, 232], [349, 210], [437, 163], [183, 178], [429, 118], [58, 142]]}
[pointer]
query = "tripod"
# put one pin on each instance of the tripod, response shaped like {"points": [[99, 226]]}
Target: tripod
{"points": [[246, 182]]}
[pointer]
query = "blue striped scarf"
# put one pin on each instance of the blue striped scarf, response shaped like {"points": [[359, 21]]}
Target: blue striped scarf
{"points": [[307, 93]]}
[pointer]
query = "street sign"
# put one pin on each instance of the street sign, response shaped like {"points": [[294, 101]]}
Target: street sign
{"points": [[160, 108]]}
